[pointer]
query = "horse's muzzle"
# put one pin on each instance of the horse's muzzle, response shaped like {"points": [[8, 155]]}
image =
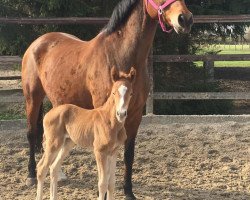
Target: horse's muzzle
{"points": [[186, 21]]}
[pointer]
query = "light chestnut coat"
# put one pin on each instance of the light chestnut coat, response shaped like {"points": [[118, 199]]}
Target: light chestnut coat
{"points": [[101, 129]]}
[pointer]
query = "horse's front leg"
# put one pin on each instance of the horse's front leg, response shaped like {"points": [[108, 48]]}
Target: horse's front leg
{"points": [[131, 125]]}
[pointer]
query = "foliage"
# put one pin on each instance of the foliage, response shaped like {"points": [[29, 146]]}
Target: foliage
{"points": [[174, 76], [205, 33], [195, 107], [14, 39]]}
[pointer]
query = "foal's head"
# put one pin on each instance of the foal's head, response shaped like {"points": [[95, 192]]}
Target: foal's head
{"points": [[122, 91]]}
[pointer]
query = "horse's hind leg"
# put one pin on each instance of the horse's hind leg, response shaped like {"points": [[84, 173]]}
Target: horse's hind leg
{"points": [[40, 129], [33, 107]]}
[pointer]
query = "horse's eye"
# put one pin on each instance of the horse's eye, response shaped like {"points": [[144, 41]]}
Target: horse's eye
{"points": [[131, 94], [113, 93]]}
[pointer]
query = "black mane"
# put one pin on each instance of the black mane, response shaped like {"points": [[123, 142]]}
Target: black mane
{"points": [[120, 15]]}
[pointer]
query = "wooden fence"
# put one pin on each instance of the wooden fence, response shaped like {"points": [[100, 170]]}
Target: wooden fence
{"points": [[208, 60], [208, 64], [198, 19]]}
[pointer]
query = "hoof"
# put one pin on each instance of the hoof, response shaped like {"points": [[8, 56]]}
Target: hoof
{"points": [[130, 197], [61, 176], [105, 197], [31, 181]]}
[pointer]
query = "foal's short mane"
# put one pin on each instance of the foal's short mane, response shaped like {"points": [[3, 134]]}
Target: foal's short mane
{"points": [[120, 15]]}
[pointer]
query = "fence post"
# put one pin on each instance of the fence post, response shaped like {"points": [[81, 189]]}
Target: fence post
{"points": [[150, 100], [209, 70]]}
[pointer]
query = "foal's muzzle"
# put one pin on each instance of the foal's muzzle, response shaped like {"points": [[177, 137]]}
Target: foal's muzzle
{"points": [[121, 115]]}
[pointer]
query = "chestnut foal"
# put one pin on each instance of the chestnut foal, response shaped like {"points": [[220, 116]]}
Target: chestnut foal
{"points": [[102, 128]]}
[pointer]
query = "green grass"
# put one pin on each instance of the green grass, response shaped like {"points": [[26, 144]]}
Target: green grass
{"points": [[17, 111], [227, 49], [11, 116], [226, 63]]}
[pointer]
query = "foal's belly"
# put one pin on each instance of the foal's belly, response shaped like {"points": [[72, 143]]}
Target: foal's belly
{"points": [[81, 137]]}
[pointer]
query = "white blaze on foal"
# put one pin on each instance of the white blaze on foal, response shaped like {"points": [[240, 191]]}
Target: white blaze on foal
{"points": [[121, 110]]}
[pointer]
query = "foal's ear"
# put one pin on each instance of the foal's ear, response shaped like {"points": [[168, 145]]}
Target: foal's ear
{"points": [[132, 74], [114, 74]]}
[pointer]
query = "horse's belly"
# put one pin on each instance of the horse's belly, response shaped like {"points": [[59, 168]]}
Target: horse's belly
{"points": [[59, 95], [63, 86]]}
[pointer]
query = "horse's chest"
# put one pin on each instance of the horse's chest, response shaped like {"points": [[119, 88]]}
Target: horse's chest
{"points": [[100, 93]]}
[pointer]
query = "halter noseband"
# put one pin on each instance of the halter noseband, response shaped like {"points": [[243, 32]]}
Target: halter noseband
{"points": [[160, 12]]}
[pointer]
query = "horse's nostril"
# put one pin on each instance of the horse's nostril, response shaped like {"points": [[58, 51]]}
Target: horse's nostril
{"points": [[182, 20], [191, 20]]}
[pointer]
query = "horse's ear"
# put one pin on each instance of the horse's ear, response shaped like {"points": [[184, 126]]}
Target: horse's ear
{"points": [[114, 74], [132, 74]]}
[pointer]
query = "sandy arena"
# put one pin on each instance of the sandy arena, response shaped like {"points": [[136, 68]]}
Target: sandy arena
{"points": [[176, 162]]}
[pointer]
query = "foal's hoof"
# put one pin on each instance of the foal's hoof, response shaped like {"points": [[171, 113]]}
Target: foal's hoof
{"points": [[31, 181], [61, 176]]}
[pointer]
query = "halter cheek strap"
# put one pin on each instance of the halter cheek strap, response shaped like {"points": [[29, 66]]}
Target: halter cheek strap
{"points": [[160, 12]]}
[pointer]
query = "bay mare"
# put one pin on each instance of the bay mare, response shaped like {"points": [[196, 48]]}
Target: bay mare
{"points": [[69, 70], [101, 129]]}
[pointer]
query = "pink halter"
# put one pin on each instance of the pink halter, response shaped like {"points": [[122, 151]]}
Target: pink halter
{"points": [[160, 12]]}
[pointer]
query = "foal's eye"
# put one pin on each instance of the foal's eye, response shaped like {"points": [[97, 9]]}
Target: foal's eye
{"points": [[131, 94], [113, 93]]}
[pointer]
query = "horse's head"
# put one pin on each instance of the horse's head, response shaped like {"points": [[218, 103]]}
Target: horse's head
{"points": [[122, 91], [171, 12]]}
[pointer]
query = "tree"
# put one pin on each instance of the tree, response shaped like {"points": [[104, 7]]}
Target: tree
{"points": [[14, 39], [184, 76]]}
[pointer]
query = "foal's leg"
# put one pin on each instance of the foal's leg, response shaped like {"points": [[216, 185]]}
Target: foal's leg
{"points": [[103, 170], [61, 174], [55, 167], [41, 174], [111, 185], [43, 167]]}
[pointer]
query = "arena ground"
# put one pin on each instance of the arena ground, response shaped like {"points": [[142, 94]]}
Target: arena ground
{"points": [[174, 161]]}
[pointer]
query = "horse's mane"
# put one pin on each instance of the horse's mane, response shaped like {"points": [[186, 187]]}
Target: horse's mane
{"points": [[120, 15]]}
